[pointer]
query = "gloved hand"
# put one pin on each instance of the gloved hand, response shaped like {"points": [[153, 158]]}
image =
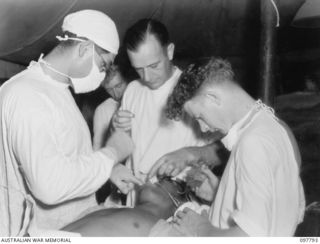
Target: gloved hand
{"points": [[121, 143], [203, 182], [122, 120], [123, 178], [190, 223], [173, 163]]}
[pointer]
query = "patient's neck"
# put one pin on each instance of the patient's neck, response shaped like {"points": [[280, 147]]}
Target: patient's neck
{"points": [[161, 212]]}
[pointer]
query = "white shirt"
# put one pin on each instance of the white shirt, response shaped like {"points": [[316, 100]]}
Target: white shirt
{"points": [[48, 169], [153, 134], [260, 189], [101, 121]]}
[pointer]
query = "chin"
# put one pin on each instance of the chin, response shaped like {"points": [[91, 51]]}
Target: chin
{"points": [[154, 86]]}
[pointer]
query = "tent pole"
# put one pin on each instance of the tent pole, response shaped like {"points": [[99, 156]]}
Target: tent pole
{"points": [[267, 51]]}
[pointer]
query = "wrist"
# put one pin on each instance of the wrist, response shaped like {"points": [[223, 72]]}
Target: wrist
{"points": [[111, 153]]}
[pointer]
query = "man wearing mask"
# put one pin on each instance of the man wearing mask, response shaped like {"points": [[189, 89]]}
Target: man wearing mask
{"points": [[260, 192], [49, 172], [141, 113]]}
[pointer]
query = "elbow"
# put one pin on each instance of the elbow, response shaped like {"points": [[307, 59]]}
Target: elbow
{"points": [[46, 195]]}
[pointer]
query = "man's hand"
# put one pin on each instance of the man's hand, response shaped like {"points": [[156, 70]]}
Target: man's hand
{"points": [[123, 178], [121, 142], [173, 163], [122, 120], [203, 182], [190, 223]]}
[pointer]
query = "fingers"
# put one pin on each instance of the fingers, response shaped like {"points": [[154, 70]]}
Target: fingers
{"points": [[181, 215], [213, 179], [124, 187], [204, 213], [207, 172], [168, 169], [175, 172], [187, 210], [155, 168], [198, 192], [125, 113], [133, 180], [122, 119], [177, 219], [123, 126]]}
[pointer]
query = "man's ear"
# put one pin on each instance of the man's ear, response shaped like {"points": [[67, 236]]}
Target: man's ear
{"points": [[213, 97], [84, 48], [170, 51]]}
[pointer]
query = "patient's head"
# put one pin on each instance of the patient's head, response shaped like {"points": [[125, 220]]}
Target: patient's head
{"points": [[165, 194]]}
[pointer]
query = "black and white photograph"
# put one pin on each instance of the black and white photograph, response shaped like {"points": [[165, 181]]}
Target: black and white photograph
{"points": [[159, 118]]}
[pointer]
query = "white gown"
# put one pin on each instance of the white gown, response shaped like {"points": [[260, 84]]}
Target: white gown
{"points": [[153, 134], [49, 172]]}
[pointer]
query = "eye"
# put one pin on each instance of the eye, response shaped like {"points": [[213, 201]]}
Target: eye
{"points": [[103, 67], [119, 85], [154, 66]]}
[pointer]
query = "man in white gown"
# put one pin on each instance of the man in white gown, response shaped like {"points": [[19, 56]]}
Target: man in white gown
{"points": [[48, 170]]}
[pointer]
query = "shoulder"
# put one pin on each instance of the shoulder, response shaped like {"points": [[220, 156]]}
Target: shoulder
{"points": [[133, 86], [109, 105], [255, 149], [22, 96], [250, 141], [133, 92]]}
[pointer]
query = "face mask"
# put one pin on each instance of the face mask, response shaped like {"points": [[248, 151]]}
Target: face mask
{"points": [[86, 84], [91, 82]]}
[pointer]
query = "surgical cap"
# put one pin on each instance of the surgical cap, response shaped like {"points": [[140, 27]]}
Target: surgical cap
{"points": [[94, 25]]}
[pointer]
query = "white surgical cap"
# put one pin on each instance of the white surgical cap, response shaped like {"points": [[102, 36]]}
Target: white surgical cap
{"points": [[94, 25]]}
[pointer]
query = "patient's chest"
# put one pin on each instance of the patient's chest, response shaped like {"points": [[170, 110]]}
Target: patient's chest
{"points": [[115, 222]]}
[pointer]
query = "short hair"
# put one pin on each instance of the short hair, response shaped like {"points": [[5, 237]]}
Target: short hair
{"points": [[214, 71], [138, 32]]}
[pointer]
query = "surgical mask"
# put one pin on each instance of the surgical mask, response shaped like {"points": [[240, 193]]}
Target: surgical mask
{"points": [[90, 82], [86, 84]]}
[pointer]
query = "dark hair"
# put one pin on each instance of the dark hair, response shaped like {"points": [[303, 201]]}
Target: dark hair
{"points": [[137, 33], [214, 70]]}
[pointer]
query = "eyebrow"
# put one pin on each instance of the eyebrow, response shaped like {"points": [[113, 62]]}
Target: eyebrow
{"points": [[154, 63], [157, 62]]}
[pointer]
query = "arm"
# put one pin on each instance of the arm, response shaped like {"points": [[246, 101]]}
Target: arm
{"points": [[190, 223], [101, 122], [98, 128], [121, 119], [175, 162], [203, 182], [52, 176], [235, 231]]}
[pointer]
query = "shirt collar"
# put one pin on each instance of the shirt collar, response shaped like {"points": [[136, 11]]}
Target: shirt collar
{"points": [[170, 83], [36, 67], [234, 133]]}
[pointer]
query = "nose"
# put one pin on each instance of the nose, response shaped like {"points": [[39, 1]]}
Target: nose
{"points": [[203, 126], [146, 75]]}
